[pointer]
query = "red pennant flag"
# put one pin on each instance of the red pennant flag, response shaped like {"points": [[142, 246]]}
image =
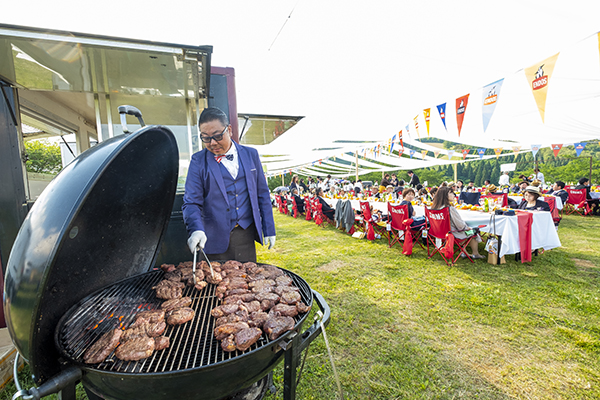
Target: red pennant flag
{"points": [[400, 137], [556, 148], [461, 108], [464, 153], [400, 151]]}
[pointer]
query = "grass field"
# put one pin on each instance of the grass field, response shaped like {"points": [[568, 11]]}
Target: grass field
{"points": [[411, 328]]}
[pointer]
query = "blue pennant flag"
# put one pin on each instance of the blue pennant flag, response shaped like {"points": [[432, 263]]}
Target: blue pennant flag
{"points": [[579, 147], [481, 152], [412, 153], [442, 110]]}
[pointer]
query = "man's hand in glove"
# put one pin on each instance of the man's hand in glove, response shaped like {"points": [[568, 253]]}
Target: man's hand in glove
{"points": [[198, 238], [270, 241]]}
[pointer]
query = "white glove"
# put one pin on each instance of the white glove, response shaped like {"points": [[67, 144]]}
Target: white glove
{"points": [[270, 240], [196, 238]]}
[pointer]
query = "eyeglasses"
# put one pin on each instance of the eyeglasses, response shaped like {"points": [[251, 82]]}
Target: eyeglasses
{"points": [[218, 137]]}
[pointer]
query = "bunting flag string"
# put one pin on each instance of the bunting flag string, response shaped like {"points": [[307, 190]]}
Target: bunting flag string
{"points": [[539, 75], [498, 151], [427, 114], [556, 148], [412, 153], [481, 152], [442, 111], [400, 151], [424, 153], [400, 138], [464, 153], [461, 109], [516, 149]]}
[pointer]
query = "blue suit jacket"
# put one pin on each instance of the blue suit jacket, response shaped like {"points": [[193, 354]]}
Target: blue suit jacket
{"points": [[205, 201]]}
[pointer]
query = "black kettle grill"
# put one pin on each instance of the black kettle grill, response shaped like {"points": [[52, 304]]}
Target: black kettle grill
{"points": [[88, 246]]}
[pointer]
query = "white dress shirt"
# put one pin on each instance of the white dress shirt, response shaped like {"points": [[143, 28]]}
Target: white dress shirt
{"points": [[232, 166]]}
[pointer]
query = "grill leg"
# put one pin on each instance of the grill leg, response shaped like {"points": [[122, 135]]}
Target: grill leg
{"points": [[68, 393], [290, 373]]}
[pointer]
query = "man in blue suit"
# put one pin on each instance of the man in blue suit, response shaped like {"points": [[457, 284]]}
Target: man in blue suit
{"points": [[226, 205]]}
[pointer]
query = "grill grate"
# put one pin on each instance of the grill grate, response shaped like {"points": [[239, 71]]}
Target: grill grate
{"points": [[192, 345]]}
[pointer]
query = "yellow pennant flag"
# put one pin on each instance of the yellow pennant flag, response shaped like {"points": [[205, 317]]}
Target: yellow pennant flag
{"points": [[498, 151], [427, 114], [436, 153], [538, 76], [424, 152], [417, 126], [516, 149]]}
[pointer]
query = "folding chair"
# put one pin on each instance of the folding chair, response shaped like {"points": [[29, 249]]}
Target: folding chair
{"points": [[294, 207], [551, 200], [369, 226], [577, 202], [308, 208], [441, 237], [400, 228]]}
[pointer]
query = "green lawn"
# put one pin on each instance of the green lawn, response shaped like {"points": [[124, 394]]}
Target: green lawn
{"points": [[411, 328]]}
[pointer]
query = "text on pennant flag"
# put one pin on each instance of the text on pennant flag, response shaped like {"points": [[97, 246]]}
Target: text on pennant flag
{"points": [[535, 148], [436, 153], [427, 114], [450, 154], [556, 148], [516, 149], [461, 109], [417, 126], [579, 148], [538, 75], [490, 95]]}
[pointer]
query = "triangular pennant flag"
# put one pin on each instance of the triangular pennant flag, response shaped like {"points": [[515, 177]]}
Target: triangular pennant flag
{"points": [[464, 153], [392, 144], [436, 153], [498, 151], [481, 152], [450, 154], [442, 110], [427, 114], [535, 148], [538, 76], [516, 149], [400, 138], [417, 126], [424, 153], [412, 153], [461, 108], [556, 148], [491, 93], [400, 151], [579, 147], [407, 130]]}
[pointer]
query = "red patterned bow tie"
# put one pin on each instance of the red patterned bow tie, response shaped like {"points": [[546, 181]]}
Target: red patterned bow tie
{"points": [[227, 156]]}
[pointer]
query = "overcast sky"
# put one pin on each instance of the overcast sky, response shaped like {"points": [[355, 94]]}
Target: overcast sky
{"points": [[354, 69]]}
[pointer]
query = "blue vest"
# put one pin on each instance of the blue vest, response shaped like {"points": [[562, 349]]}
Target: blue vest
{"points": [[240, 209]]}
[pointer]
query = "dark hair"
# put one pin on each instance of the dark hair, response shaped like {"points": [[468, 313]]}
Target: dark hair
{"points": [[419, 187], [440, 200], [401, 182], [409, 171], [560, 184], [211, 114], [583, 180], [524, 182], [460, 181], [407, 191], [319, 191]]}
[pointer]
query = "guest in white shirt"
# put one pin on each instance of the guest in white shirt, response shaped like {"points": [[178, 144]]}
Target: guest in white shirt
{"points": [[504, 179]]}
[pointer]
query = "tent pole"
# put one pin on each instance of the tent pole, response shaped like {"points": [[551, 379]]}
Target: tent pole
{"points": [[282, 180], [356, 166], [455, 173], [591, 170]]}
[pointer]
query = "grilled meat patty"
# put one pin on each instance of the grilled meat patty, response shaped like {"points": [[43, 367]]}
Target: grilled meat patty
{"points": [[98, 352], [180, 316], [246, 337], [135, 349], [176, 303]]}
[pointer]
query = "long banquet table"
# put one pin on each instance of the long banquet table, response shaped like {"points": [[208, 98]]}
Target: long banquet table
{"points": [[543, 233]]}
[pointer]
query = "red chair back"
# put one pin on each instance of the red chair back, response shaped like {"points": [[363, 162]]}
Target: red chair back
{"points": [[366, 210], [439, 222], [398, 214], [576, 196]]}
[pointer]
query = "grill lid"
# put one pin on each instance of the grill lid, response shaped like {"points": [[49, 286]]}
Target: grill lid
{"points": [[99, 221]]}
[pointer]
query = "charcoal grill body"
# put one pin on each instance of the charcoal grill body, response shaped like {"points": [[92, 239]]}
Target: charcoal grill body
{"points": [[101, 221]]}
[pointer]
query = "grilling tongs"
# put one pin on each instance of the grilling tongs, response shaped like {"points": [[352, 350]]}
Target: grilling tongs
{"points": [[212, 273]]}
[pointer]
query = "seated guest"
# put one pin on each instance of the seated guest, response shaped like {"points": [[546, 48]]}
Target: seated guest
{"points": [[444, 198], [558, 190], [470, 186], [389, 193], [299, 201], [325, 207], [584, 183], [460, 186], [524, 178], [490, 189], [408, 195], [531, 202], [522, 186]]}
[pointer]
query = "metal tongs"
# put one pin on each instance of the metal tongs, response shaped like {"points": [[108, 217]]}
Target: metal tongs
{"points": [[212, 273]]}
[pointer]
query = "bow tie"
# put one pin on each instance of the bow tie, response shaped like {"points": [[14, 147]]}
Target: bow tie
{"points": [[227, 156]]}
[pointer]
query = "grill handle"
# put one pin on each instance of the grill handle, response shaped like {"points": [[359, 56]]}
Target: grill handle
{"points": [[53, 385], [315, 329]]}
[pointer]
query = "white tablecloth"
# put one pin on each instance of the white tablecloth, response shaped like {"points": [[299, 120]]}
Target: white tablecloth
{"points": [[595, 195], [543, 233]]}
